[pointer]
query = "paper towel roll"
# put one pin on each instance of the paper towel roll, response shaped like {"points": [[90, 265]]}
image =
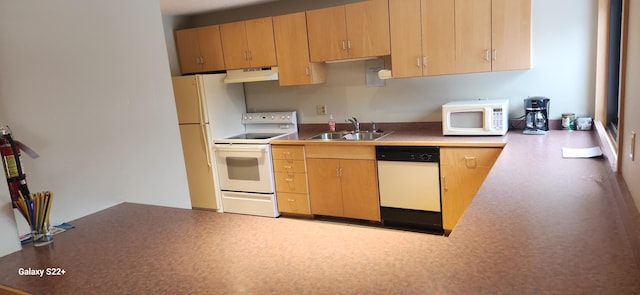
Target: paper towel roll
{"points": [[384, 74]]}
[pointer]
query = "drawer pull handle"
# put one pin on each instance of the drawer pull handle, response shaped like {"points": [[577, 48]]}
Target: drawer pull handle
{"points": [[470, 162], [288, 179], [287, 167]]}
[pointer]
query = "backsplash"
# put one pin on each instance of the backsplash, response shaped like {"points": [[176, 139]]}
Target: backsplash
{"points": [[420, 99]]}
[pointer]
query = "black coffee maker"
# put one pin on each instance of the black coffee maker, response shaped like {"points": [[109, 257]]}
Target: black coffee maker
{"points": [[536, 115]]}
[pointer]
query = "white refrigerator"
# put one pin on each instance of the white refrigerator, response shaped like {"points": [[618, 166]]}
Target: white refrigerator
{"points": [[207, 109]]}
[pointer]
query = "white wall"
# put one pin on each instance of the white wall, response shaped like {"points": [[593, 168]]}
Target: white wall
{"points": [[87, 85], [563, 56], [631, 169]]}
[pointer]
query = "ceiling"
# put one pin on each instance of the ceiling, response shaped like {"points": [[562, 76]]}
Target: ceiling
{"points": [[185, 7]]}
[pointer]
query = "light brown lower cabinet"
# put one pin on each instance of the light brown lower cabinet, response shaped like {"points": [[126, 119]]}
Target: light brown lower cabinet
{"points": [[291, 179], [343, 187], [462, 172]]}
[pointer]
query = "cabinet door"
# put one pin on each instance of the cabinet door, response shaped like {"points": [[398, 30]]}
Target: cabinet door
{"points": [[368, 28], [199, 172], [406, 37], [188, 50], [463, 171], [325, 191], [327, 31], [511, 35], [260, 44], [211, 48], [473, 35], [438, 37], [292, 48], [360, 189], [234, 45]]}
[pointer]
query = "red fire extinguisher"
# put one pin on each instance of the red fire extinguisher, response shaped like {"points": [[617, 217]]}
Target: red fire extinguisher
{"points": [[16, 178]]}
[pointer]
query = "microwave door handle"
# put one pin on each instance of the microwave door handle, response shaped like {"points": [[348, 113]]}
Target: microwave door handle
{"points": [[488, 118]]}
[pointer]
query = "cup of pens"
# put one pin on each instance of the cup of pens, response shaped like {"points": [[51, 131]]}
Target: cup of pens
{"points": [[36, 208]]}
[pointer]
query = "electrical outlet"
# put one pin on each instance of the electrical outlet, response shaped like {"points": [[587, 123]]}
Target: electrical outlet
{"points": [[632, 154], [321, 109]]}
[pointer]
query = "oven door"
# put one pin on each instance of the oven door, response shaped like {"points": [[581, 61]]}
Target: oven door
{"points": [[244, 167]]}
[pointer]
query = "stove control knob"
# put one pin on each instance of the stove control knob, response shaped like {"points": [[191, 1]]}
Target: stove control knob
{"points": [[282, 117], [250, 117], [273, 117]]}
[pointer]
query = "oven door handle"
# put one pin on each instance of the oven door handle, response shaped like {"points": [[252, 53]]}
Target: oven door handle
{"points": [[241, 148]]}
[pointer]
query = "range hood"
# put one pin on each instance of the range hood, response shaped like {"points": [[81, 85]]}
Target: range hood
{"points": [[251, 75]]}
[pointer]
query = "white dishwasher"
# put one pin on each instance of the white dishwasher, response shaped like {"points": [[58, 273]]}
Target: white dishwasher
{"points": [[409, 183]]}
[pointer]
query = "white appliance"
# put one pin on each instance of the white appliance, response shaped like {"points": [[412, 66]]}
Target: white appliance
{"points": [[244, 163], [476, 117], [207, 108]]}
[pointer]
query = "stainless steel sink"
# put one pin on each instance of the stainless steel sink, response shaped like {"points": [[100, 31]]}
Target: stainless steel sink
{"points": [[349, 135]]}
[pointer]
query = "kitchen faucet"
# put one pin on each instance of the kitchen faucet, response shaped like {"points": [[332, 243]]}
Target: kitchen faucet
{"points": [[355, 123]]}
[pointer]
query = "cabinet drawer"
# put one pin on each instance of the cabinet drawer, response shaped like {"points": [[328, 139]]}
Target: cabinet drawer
{"points": [[290, 166], [469, 157], [293, 203], [291, 182], [341, 152], [287, 152]]}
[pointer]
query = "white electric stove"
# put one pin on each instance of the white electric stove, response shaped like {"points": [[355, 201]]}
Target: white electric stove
{"points": [[244, 167]]}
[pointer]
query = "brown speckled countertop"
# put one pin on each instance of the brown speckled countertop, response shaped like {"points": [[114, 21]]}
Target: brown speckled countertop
{"points": [[540, 224], [426, 134]]}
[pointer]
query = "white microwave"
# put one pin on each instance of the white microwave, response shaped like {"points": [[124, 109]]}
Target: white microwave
{"points": [[476, 117]]}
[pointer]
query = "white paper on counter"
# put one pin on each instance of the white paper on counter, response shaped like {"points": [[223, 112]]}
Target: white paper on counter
{"points": [[582, 152]]}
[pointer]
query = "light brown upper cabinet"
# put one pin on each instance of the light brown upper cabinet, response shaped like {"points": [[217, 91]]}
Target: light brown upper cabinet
{"points": [[354, 30], [248, 44], [473, 35], [492, 35], [422, 37], [292, 50], [199, 49], [438, 37], [511, 35]]}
